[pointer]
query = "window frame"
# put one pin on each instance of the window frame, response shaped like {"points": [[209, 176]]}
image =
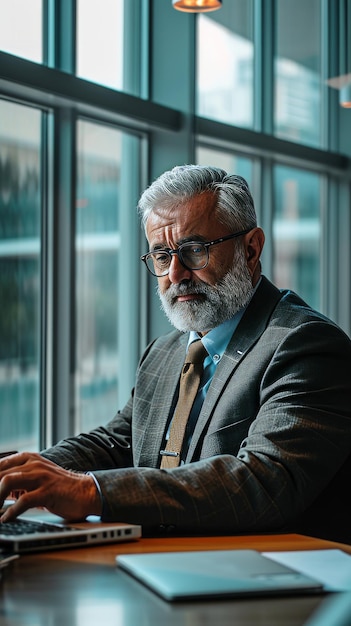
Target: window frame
{"points": [[164, 119]]}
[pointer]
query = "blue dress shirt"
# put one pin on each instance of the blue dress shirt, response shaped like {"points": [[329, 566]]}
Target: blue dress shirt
{"points": [[215, 342]]}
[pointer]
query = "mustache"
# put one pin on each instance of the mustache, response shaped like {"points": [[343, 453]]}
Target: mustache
{"points": [[183, 289]]}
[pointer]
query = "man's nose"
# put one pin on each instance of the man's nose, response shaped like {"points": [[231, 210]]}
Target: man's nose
{"points": [[177, 271]]}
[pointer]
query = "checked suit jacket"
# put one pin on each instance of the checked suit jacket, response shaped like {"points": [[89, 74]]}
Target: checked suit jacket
{"points": [[271, 447]]}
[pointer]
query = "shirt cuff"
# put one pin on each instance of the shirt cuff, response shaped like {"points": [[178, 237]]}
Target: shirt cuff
{"points": [[98, 488]]}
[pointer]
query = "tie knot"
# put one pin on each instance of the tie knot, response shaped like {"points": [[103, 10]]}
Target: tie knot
{"points": [[196, 352]]}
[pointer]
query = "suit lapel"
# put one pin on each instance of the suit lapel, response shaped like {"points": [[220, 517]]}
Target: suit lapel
{"points": [[161, 405], [249, 330]]}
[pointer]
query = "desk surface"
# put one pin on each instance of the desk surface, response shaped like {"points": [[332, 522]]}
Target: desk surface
{"points": [[83, 587]]}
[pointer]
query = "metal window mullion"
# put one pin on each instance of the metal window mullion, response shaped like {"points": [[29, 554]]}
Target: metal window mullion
{"points": [[64, 275], [329, 68], [264, 36], [46, 284], [343, 272], [266, 213], [65, 35], [329, 251]]}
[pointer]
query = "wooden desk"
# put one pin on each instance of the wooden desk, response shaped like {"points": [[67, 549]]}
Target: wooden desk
{"points": [[83, 587]]}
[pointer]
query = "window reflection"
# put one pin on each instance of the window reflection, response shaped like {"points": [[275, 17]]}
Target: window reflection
{"points": [[231, 163], [296, 232], [225, 64], [97, 246], [20, 217], [100, 41], [21, 28], [297, 114], [99, 609]]}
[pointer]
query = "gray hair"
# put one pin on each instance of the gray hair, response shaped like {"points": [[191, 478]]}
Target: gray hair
{"points": [[235, 206]]}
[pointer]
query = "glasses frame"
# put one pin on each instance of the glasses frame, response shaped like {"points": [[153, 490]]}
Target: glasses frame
{"points": [[178, 252]]}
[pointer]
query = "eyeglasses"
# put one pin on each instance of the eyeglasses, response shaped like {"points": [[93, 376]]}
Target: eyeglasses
{"points": [[193, 255]]}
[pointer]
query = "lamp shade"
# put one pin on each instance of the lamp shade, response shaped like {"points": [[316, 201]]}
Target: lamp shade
{"points": [[197, 6]]}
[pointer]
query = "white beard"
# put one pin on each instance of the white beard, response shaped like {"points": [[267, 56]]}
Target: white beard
{"points": [[220, 302]]}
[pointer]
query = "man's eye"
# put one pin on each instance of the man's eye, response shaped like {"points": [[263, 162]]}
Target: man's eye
{"points": [[195, 249], [161, 259]]}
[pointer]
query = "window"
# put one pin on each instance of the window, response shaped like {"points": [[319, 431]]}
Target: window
{"points": [[105, 54], [298, 95], [76, 150], [100, 37], [21, 28], [20, 275], [296, 232], [231, 163], [105, 268], [225, 53]]}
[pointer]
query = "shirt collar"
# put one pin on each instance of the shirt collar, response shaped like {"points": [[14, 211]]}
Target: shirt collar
{"points": [[217, 339]]}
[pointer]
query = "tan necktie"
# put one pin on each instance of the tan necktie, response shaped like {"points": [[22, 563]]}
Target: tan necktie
{"points": [[188, 387]]}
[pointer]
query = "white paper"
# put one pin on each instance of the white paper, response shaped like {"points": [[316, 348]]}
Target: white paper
{"points": [[331, 567]]}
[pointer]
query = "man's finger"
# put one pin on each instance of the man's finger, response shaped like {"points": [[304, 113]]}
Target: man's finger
{"points": [[25, 501]]}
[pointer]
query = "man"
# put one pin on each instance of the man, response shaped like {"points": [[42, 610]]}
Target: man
{"points": [[267, 444]]}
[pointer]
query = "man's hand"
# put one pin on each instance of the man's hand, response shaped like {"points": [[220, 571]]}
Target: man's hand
{"points": [[40, 482]]}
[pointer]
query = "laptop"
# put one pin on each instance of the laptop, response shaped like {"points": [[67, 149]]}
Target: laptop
{"points": [[215, 574], [38, 530]]}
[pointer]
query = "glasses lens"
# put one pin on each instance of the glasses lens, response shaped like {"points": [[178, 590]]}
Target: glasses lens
{"points": [[158, 262], [194, 255]]}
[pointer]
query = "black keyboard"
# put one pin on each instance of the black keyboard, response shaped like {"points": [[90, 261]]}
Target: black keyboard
{"points": [[24, 527]]}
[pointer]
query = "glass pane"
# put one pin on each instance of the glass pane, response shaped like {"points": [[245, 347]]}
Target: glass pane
{"points": [[97, 245], [20, 216], [100, 40], [297, 114], [297, 232], [231, 163], [225, 64], [21, 28]]}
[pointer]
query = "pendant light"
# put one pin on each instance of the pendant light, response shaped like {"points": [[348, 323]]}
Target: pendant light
{"points": [[197, 6]]}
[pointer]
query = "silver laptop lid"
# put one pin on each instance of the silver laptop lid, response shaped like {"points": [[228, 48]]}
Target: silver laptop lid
{"points": [[215, 574]]}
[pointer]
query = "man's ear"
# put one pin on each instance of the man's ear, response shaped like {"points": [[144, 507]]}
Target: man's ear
{"points": [[254, 242]]}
